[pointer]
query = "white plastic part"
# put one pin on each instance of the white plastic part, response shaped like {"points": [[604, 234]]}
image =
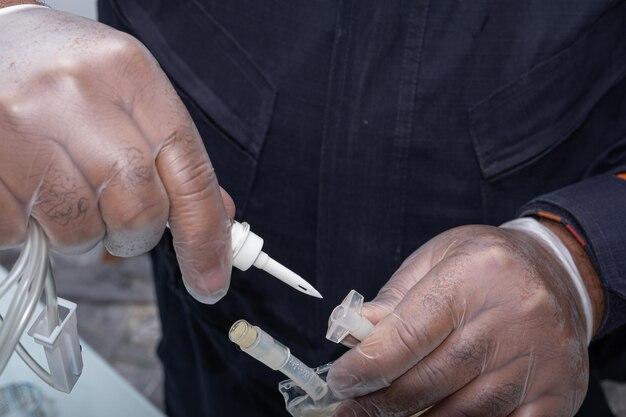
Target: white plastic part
{"points": [[61, 346], [246, 245], [247, 251], [347, 319], [264, 348]]}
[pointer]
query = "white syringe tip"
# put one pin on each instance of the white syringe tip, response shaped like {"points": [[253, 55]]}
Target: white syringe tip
{"points": [[285, 274], [243, 334]]}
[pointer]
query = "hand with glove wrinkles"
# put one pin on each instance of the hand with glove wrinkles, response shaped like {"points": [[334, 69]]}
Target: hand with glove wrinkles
{"points": [[480, 321], [96, 144]]}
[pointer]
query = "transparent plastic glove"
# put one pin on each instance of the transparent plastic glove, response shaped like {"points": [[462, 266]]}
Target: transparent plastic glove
{"points": [[479, 321], [95, 144]]}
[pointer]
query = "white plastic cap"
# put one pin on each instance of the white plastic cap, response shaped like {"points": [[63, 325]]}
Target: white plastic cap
{"points": [[246, 245], [347, 319], [61, 345]]}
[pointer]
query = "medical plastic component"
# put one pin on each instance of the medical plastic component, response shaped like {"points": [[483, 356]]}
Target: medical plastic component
{"points": [[264, 348], [247, 251], [306, 393], [347, 319], [299, 404], [61, 345], [30, 276]]}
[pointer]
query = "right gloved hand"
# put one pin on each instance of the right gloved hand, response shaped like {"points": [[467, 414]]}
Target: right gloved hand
{"points": [[479, 321], [95, 143]]}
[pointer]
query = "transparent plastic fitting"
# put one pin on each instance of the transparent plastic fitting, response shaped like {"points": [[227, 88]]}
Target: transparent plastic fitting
{"points": [[300, 404], [347, 319], [306, 393], [264, 348], [61, 345]]}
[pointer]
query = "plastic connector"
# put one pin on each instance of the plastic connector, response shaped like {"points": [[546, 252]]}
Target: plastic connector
{"points": [[347, 319], [247, 245], [264, 348], [247, 249], [61, 345], [300, 404]]}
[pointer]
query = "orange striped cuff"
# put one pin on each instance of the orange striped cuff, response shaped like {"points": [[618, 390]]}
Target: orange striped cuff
{"points": [[568, 226]]}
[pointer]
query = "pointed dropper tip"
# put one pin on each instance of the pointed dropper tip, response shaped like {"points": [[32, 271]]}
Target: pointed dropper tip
{"points": [[315, 293], [286, 275]]}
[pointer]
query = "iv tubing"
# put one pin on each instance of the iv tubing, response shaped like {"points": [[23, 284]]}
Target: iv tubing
{"points": [[31, 273], [263, 347]]}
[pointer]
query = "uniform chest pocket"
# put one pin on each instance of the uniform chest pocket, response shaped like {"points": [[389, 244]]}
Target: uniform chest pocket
{"points": [[526, 134], [228, 96]]}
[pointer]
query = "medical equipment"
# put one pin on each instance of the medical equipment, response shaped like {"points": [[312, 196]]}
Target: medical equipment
{"points": [[263, 347], [309, 390], [306, 393], [247, 251], [347, 319], [55, 328]]}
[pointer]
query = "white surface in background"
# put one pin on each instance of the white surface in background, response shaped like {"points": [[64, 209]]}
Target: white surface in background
{"points": [[100, 391], [85, 8]]}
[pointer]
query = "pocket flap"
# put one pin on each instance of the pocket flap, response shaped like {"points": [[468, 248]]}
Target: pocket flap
{"points": [[531, 116], [208, 64]]}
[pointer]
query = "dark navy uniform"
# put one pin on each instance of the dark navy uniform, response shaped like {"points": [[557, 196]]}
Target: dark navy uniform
{"points": [[350, 132]]}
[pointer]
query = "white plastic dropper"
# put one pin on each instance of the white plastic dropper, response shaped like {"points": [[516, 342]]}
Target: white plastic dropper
{"points": [[247, 251]]}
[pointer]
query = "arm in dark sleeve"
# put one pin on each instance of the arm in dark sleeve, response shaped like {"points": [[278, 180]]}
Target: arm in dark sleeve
{"points": [[594, 211]]}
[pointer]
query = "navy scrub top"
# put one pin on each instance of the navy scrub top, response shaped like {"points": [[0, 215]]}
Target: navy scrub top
{"points": [[351, 132]]}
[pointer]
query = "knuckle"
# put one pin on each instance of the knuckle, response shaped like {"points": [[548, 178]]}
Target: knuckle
{"points": [[496, 254], [405, 334], [137, 213], [125, 45], [469, 355], [130, 55], [132, 169], [499, 400], [428, 375]]}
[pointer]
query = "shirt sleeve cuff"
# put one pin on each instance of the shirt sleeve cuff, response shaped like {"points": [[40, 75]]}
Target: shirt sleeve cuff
{"points": [[594, 211]]}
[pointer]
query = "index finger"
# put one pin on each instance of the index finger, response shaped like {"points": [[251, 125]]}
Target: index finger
{"points": [[198, 219]]}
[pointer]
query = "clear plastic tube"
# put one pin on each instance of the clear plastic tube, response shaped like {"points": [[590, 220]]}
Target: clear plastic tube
{"points": [[52, 308], [263, 347], [30, 273], [17, 270]]}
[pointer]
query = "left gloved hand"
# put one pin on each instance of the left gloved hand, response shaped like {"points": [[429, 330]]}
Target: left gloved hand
{"points": [[478, 321]]}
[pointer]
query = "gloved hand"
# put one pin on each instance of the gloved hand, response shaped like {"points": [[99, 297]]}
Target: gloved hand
{"points": [[479, 321], [95, 143]]}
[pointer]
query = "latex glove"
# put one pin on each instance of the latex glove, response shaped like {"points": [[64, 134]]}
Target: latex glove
{"points": [[95, 143], [479, 321]]}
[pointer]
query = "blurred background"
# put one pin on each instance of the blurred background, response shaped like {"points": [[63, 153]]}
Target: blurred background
{"points": [[85, 8]]}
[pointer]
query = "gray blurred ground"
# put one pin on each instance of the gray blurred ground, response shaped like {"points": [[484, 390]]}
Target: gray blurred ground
{"points": [[117, 312]]}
